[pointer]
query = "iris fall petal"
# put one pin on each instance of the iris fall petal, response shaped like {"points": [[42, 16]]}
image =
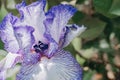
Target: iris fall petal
{"points": [[62, 66]]}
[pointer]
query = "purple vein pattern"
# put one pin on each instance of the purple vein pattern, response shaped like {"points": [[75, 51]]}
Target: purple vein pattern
{"points": [[36, 40]]}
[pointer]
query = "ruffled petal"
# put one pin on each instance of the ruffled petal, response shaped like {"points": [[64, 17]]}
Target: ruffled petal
{"points": [[71, 32], [9, 61], [57, 19], [33, 15], [7, 34], [24, 36], [62, 66]]}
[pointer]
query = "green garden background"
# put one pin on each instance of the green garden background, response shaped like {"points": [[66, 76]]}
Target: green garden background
{"points": [[97, 50]]}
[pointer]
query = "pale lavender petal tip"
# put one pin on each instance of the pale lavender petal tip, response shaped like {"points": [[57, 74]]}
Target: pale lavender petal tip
{"points": [[72, 31], [22, 4], [61, 9]]}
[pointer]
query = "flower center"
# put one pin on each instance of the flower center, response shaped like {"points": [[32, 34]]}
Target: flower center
{"points": [[40, 47]]}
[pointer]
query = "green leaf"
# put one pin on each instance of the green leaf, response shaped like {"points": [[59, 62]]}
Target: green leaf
{"points": [[80, 60], [3, 12], [27, 1], [88, 75], [78, 16], [116, 22], [2, 54], [77, 44], [94, 28], [10, 6], [0, 4], [115, 9], [1, 45], [103, 6], [71, 49], [88, 53], [80, 1]]}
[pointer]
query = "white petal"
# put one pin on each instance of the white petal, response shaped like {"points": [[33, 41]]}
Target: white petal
{"points": [[72, 31], [33, 15], [62, 66], [9, 61]]}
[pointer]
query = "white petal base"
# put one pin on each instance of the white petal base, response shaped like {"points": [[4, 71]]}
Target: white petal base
{"points": [[62, 66]]}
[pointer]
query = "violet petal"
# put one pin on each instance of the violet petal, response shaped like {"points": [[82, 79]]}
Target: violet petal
{"points": [[33, 15], [72, 31], [57, 19], [62, 66], [7, 34]]}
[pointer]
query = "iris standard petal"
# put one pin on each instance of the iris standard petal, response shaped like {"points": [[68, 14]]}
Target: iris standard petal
{"points": [[24, 36], [7, 34], [71, 32], [62, 66], [9, 61], [33, 15], [57, 19]]}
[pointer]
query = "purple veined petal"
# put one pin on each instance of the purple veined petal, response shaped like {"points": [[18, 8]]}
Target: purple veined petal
{"points": [[9, 61], [57, 19], [33, 15], [53, 47], [71, 32], [62, 66], [31, 58], [7, 34], [24, 36]]}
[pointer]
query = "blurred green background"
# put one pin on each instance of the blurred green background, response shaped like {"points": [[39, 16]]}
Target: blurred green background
{"points": [[98, 49]]}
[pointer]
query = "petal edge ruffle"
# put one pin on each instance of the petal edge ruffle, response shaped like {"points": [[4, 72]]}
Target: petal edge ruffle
{"points": [[57, 19], [33, 15], [72, 31], [7, 34]]}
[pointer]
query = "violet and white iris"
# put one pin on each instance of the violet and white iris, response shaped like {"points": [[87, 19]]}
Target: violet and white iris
{"points": [[36, 40]]}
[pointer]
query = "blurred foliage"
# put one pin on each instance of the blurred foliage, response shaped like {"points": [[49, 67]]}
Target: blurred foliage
{"points": [[98, 48]]}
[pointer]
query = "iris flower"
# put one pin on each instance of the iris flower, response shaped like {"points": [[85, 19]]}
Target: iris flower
{"points": [[36, 40]]}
